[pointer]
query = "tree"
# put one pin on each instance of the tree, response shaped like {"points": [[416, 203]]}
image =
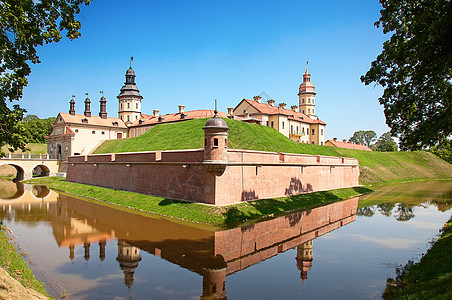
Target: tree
{"points": [[24, 25], [415, 70], [362, 136], [37, 129], [385, 143], [443, 150]]}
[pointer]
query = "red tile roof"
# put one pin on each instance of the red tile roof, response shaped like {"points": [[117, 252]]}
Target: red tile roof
{"points": [[348, 145], [267, 109], [176, 117]]}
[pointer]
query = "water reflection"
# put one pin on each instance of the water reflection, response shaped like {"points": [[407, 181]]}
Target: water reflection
{"points": [[214, 255]]}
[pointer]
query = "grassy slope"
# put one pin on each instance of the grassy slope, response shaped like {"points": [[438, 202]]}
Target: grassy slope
{"points": [[11, 261], [376, 167], [431, 278], [33, 148]]}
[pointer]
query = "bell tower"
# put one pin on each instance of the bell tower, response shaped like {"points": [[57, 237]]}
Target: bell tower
{"points": [[306, 95], [129, 98]]}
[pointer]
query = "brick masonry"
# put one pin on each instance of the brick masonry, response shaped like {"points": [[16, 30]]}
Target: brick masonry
{"points": [[185, 175]]}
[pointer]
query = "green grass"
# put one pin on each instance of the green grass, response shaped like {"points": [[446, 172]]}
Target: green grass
{"points": [[217, 216], [32, 148], [12, 262], [431, 278], [375, 167]]}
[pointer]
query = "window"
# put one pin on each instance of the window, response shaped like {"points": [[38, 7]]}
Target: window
{"points": [[103, 132], [267, 123], [312, 143], [303, 110], [128, 105], [136, 117], [283, 125], [302, 130], [291, 128], [313, 131], [309, 110], [312, 100], [226, 143], [205, 142], [137, 106], [307, 131], [244, 111], [302, 101], [273, 124], [312, 110], [128, 118], [321, 131], [309, 100], [93, 132], [76, 131], [297, 129], [121, 105], [215, 142]]}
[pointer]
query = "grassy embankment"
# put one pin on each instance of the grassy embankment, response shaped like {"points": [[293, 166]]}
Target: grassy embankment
{"points": [[375, 167], [431, 278], [11, 261]]}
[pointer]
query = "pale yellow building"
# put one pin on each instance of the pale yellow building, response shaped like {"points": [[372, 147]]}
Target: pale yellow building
{"points": [[76, 134], [299, 123]]}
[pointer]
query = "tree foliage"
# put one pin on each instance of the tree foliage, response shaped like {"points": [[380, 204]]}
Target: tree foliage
{"points": [[36, 129], [443, 150], [385, 143], [24, 25], [415, 71], [363, 136]]}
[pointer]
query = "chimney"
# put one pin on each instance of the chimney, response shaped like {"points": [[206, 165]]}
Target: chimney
{"points": [[103, 108], [345, 141], [334, 139], [72, 107], [271, 102], [87, 107], [156, 112], [230, 109], [181, 109], [294, 108], [282, 105], [257, 99]]}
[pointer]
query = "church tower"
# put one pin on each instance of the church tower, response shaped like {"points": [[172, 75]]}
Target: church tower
{"points": [[304, 259], [306, 95], [129, 99], [128, 258]]}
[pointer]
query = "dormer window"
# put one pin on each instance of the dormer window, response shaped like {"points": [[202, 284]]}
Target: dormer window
{"points": [[85, 120], [114, 123]]}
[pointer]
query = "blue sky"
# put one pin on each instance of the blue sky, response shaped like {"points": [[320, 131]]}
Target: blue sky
{"points": [[191, 52]]}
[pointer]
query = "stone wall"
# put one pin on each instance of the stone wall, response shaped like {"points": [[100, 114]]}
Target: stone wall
{"points": [[182, 174]]}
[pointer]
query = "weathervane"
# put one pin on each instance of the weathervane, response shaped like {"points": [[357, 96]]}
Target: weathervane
{"points": [[131, 59], [102, 92], [86, 94]]}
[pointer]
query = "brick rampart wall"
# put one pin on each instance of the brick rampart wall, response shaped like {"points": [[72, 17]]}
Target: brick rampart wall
{"points": [[182, 174]]}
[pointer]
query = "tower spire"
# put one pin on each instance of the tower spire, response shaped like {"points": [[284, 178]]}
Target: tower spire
{"points": [[131, 59]]}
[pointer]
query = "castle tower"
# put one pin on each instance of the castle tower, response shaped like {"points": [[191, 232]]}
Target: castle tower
{"points": [[304, 259], [129, 99], [128, 258], [306, 95], [103, 108], [72, 107], [215, 140]]}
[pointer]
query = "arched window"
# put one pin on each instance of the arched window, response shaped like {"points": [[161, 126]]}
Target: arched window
{"points": [[137, 105], [128, 105]]}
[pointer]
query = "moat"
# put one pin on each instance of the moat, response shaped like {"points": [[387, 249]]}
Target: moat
{"points": [[345, 250]]}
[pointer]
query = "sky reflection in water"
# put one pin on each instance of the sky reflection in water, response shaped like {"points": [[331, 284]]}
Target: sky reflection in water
{"points": [[342, 251]]}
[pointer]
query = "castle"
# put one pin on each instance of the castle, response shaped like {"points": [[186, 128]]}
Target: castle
{"points": [[80, 134]]}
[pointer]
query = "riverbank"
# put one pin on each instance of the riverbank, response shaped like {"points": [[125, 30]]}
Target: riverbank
{"points": [[16, 279], [431, 278], [218, 216]]}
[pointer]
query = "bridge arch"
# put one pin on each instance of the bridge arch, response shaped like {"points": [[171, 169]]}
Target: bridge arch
{"points": [[20, 175], [40, 170]]}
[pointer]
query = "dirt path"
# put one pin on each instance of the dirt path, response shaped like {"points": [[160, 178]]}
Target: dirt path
{"points": [[11, 289]]}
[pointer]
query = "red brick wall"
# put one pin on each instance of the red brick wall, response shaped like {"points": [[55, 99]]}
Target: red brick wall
{"points": [[249, 175]]}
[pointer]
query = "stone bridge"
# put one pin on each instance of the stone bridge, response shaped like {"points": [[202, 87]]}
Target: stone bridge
{"points": [[29, 165]]}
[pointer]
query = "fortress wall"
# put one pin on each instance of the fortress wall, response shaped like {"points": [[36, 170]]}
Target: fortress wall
{"points": [[181, 174]]}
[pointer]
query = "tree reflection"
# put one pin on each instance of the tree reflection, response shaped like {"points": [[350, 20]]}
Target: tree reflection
{"points": [[386, 208], [404, 212], [366, 211]]}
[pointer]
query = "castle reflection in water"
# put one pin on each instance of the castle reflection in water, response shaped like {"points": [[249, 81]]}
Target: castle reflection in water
{"points": [[214, 254]]}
